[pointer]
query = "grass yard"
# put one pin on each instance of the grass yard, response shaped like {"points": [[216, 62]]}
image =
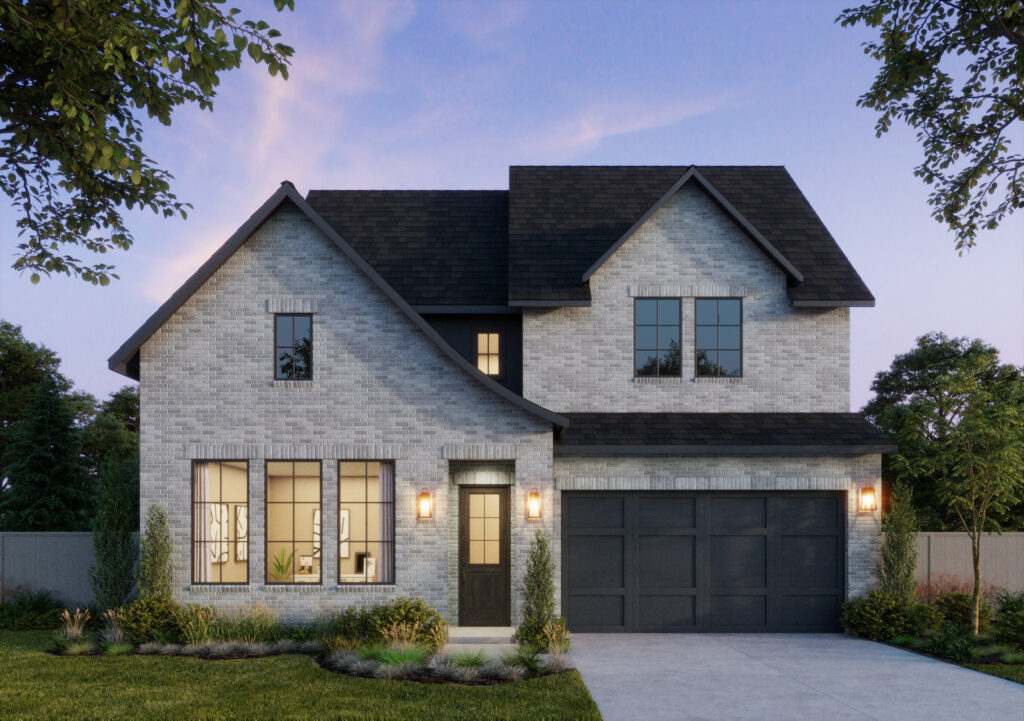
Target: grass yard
{"points": [[1013, 672], [37, 685]]}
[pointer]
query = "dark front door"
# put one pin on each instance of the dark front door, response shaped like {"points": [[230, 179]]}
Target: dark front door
{"points": [[484, 556], [651, 561]]}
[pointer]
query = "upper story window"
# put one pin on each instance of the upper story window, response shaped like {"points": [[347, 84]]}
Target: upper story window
{"points": [[220, 522], [488, 354], [293, 347], [656, 337], [719, 337]]}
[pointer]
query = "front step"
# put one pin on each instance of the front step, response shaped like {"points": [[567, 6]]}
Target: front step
{"points": [[480, 635]]}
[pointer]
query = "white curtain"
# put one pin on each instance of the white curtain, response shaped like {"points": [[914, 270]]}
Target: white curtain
{"points": [[386, 564], [202, 561], [241, 533]]}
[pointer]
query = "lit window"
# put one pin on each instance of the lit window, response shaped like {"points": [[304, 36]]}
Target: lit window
{"points": [[719, 337], [220, 522], [487, 353], [293, 347], [366, 522], [293, 522]]}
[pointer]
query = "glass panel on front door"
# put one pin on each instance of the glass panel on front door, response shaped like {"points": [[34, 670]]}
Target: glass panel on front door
{"points": [[484, 525]]}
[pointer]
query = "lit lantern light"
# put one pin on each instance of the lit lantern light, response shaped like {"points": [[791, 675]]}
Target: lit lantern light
{"points": [[424, 505], [868, 499], [533, 504]]}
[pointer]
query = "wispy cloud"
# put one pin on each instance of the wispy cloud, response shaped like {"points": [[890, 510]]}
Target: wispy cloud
{"points": [[482, 23]]}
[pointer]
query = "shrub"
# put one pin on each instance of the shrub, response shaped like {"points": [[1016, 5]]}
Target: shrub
{"points": [[384, 618], [957, 607], [878, 616], [924, 617], [114, 547], [557, 636], [415, 656], [1009, 627], [525, 656], [250, 624], [469, 659], [30, 609], [1009, 601], [944, 583], [155, 570], [899, 546], [372, 652], [538, 593], [195, 623], [118, 649], [151, 618], [1012, 658], [955, 642], [401, 634]]}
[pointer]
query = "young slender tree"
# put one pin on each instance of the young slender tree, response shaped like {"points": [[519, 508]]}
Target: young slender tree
{"points": [[899, 548], [538, 593], [155, 569], [115, 548]]}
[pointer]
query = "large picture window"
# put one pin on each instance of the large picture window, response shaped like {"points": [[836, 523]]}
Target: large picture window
{"points": [[293, 347], [294, 542], [366, 522], [719, 337], [656, 337], [220, 522]]}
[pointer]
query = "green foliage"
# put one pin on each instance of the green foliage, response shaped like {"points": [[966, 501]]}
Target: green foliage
{"points": [[1009, 602], [924, 617], [249, 624], [1014, 658], [80, 81], [899, 547], [538, 593], [113, 541], [958, 608], [196, 623], [378, 621], [1009, 627], [282, 568], [48, 486], [878, 616], [155, 570], [113, 434], [526, 656], [469, 659], [372, 652], [955, 642], [152, 618], [415, 656], [28, 608], [953, 71]]}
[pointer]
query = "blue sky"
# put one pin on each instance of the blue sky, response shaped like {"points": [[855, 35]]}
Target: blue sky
{"points": [[400, 94]]}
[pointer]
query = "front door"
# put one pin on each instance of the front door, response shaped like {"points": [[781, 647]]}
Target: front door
{"points": [[484, 556]]}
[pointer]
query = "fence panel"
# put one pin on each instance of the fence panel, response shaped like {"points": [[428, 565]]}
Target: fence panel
{"points": [[948, 555], [58, 562]]}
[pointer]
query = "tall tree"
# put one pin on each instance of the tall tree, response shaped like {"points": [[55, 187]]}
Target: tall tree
{"points": [[114, 432], [954, 71], [49, 486], [917, 403], [77, 82], [23, 365]]}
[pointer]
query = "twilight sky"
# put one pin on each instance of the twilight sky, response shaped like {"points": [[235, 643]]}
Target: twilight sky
{"points": [[400, 94]]}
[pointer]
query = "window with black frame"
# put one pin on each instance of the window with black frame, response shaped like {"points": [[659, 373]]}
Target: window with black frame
{"points": [[366, 522], [656, 337], [293, 347], [719, 337]]}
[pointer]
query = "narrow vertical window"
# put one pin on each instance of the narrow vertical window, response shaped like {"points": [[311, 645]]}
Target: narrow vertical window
{"points": [[656, 337], [488, 354], [719, 337], [220, 522], [366, 522], [294, 540], [293, 347]]}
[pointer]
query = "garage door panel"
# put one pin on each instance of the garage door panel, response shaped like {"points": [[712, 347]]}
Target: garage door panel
{"points": [[667, 512], [597, 561], [597, 611], [738, 512], [596, 512], [668, 612], [667, 562], [809, 561], [810, 611], [732, 611], [739, 561], [810, 512]]}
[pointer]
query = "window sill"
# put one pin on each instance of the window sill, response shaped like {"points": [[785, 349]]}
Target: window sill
{"points": [[719, 380], [291, 384], [658, 380], [204, 587]]}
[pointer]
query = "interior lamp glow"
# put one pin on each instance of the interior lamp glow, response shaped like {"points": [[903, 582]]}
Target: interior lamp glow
{"points": [[533, 504], [424, 505], [868, 499]]}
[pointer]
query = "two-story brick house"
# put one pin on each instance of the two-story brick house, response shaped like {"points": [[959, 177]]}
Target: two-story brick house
{"points": [[367, 394]]}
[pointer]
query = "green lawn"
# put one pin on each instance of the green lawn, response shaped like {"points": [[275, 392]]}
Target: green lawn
{"points": [[1013, 672], [37, 685]]}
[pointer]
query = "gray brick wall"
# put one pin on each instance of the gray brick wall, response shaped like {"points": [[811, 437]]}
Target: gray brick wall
{"points": [[822, 473], [581, 359], [380, 390]]}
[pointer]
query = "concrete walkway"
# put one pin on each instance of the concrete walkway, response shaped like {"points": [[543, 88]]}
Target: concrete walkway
{"points": [[771, 677]]}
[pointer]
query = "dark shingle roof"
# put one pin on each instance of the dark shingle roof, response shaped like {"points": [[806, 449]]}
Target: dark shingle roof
{"points": [[563, 218], [435, 247], [698, 434]]}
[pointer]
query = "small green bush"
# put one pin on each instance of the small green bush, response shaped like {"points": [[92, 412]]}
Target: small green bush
{"points": [[525, 656], [249, 624], [372, 652], [955, 642], [1010, 601], [957, 608], [1009, 627], [196, 623], [30, 609], [155, 568], [382, 619], [538, 593], [923, 618], [415, 656], [1012, 657], [878, 616], [469, 659], [152, 618]]}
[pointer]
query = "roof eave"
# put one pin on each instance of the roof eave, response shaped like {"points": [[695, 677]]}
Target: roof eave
{"points": [[861, 303], [561, 449]]}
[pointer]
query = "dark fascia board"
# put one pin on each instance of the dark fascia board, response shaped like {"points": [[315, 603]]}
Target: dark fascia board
{"points": [[549, 303], [468, 309], [694, 451], [118, 361], [693, 174], [834, 303]]}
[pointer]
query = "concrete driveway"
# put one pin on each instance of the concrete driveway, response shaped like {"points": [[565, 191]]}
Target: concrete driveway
{"points": [[770, 677]]}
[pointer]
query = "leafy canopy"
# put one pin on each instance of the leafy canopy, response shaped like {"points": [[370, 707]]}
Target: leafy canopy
{"points": [[77, 81], [954, 71]]}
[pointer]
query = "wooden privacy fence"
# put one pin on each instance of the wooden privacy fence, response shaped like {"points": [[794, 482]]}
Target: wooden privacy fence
{"points": [[58, 562], [942, 557]]}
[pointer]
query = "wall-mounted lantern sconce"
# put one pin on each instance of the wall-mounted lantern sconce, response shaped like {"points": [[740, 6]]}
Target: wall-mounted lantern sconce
{"points": [[868, 499], [424, 505], [533, 504]]}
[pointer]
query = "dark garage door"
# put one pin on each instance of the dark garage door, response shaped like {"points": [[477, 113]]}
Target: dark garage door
{"points": [[649, 561]]}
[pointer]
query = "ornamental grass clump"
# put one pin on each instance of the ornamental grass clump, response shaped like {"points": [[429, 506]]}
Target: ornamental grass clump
{"points": [[71, 634], [252, 624], [469, 659], [409, 654]]}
